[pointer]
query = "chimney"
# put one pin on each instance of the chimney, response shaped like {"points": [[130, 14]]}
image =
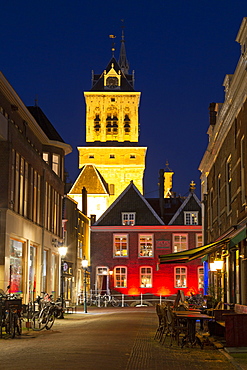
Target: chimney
{"points": [[84, 201]]}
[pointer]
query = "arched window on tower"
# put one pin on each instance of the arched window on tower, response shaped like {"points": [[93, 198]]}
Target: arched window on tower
{"points": [[111, 125], [126, 124], [97, 123]]}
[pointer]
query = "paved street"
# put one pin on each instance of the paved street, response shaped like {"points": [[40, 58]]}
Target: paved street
{"points": [[120, 338]]}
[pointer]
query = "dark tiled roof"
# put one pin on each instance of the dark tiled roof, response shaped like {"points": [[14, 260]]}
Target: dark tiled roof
{"points": [[130, 200], [171, 205], [91, 179], [45, 124], [191, 203], [126, 80]]}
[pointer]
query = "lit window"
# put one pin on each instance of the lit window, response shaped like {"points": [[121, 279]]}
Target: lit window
{"points": [[120, 277], [180, 277], [146, 245], [198, 240], [120, 245], [128, 218], [180, 242], [56, 163], [46, 157], [146, 277], [191, 218], [200, 278]]}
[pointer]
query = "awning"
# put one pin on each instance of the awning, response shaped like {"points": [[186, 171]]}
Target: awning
{"points": [[238, 238], [191, 254]]}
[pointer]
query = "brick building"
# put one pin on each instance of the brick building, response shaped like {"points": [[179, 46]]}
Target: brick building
{"points": [[128, 239]]}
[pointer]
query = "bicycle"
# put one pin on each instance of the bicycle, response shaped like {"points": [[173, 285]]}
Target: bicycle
{"points": [[48, 311], [11, 313], [109, 299]]}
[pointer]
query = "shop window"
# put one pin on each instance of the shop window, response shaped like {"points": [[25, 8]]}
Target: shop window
{"points": [[16, 268], [200, 278]]}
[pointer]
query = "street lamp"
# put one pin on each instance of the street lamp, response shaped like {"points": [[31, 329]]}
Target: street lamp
{"points": [[62, 252], [85, 266]]}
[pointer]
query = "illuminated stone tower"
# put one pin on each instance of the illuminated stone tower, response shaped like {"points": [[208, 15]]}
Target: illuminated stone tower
{"points": [[112, 128]]}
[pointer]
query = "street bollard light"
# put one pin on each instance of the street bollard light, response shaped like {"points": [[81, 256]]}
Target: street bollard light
{"points": [[62, 252], [85, 266]]}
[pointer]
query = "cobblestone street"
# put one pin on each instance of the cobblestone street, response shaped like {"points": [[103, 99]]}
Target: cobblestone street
{"points": [[105, 338]]}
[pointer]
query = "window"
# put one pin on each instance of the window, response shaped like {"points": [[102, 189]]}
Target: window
{"points": [[198, 240], [146, 277], [16, 253], [56, 163], [91, 156], [242, 155], [180, 242], [191, 218], [228, 183], [112, 156], [180, 277], [120, 277], [146, 245], [218, 196], [120, 247], [46, 157], [128, 218], [200, 278], [132, 156]]}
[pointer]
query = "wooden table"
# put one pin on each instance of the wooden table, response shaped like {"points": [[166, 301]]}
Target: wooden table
{"points": [[191, 318]]}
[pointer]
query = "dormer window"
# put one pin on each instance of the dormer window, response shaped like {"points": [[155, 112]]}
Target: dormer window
{"points": [[128, 218], [191, 218], [112, 82]]}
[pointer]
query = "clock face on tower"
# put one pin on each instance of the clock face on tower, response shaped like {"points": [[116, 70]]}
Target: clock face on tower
{"points": [[112, 82]]}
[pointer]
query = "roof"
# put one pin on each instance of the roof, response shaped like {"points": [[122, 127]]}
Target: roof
{"points": [[191, 254], [44, 123], [171, 205], [191, 203], [91, 179], [126, 80], [130, 200]]}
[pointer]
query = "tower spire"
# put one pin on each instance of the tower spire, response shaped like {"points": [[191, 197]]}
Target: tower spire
{"points": [[123, 62]]}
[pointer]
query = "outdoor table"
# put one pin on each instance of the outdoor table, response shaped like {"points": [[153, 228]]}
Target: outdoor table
{"points": [[191, 318]]}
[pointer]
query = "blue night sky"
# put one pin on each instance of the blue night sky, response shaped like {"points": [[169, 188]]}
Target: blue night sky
{"points": [[180, 50]]}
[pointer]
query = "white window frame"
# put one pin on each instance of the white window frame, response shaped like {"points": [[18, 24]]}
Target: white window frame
{"points": [[128, 218], [242, 163], [182, 272], [191, 217], [200, 274], [146, 247], [56, 163], [46, 157], [121, 250], [179, 247], [199, 243], [146, 277], [122, 274]]}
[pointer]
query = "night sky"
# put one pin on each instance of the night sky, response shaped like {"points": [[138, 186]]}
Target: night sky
{"points": [[180, 51]]}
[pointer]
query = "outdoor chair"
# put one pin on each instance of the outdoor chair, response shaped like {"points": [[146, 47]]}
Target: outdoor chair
{"points": [[160, 310], [174, 327]]}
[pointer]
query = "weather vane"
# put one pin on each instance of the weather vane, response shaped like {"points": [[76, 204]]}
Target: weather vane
{"points": [[113, 44]]}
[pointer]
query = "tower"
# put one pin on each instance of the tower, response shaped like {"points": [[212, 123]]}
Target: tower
{"points": [[112, 129]]}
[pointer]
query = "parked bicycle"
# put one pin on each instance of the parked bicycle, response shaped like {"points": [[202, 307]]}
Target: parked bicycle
{"points": [[108, 299], [11, 313], [48, 311]]}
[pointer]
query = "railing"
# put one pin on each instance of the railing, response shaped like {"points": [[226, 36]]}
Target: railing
{"points": [[145, 299]]}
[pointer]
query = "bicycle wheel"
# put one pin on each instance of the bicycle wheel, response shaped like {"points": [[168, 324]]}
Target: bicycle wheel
{"points": [[12, 324], [115, 302], [19, 325], [50, 320], [39, 320]]}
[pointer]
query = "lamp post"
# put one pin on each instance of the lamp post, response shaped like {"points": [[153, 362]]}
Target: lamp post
{"points": [[62, 252], [85, 266]]}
